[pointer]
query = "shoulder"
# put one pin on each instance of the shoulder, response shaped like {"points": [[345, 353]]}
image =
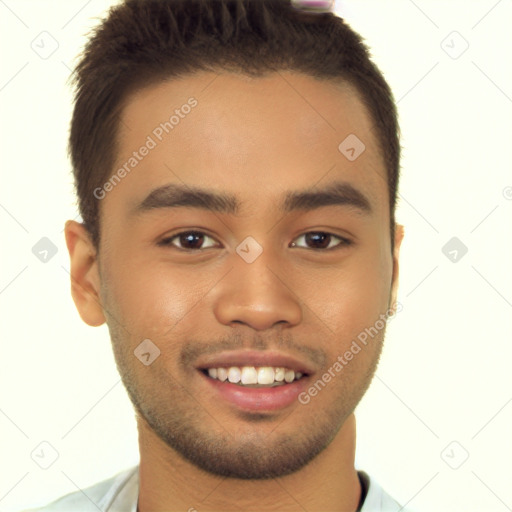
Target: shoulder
{"points": [[377, 499], [98, 496]]}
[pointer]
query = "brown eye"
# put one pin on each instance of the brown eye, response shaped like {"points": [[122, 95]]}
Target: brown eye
{"points": [[187, 240], [321, 240]]}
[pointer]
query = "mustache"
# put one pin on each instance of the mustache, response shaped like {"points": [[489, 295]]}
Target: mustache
{"points": [[194, 349]]}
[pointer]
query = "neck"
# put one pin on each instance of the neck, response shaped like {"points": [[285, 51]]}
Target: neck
{"points": [[168, 482]]}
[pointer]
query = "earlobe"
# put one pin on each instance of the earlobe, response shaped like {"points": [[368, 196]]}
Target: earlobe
{"points": [[399, 235], [85, 280]]}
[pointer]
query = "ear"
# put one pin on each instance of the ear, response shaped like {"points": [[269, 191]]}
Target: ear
{"points": [[399, 235], [85, 279]]}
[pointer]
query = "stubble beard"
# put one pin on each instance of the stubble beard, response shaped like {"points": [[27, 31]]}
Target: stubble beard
{"points": [[193, 433]]}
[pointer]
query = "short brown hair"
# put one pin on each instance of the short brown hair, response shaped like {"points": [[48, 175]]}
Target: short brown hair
{"points": [[142, 42]]}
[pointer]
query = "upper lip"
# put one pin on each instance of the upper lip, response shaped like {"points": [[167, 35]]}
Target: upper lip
{"points": [[255, 358]]}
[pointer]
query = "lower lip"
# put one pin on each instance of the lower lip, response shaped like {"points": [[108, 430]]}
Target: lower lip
{"points": [[258, 399]]}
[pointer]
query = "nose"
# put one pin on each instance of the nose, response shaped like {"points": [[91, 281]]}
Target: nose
{"points": [[258, 295]]}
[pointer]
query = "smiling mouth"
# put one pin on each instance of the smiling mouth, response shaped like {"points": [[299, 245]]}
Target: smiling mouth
{"points": [[254, 376]]}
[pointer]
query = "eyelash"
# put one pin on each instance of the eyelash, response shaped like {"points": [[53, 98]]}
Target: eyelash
{"points": [[167, 242]]}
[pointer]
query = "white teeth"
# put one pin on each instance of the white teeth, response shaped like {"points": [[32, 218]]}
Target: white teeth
{"points": [[222, 374], [255, 376], [234, 374], [265, 375], [289, 376], [279, 374], [249, 375]]}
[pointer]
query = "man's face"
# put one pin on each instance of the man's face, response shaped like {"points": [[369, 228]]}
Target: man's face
{"points": [[325, 273]]}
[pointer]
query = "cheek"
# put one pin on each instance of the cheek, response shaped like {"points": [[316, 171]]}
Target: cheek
{"points": [[348, 299], [151, 297]]}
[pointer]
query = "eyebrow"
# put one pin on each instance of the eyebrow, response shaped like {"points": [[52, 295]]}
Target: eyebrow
{"points": [[176, 196]]}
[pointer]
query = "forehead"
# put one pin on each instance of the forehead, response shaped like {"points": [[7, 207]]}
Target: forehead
{"points": [[254, 137]]}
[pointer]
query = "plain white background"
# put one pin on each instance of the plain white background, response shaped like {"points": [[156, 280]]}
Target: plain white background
{"points": [[443, 389]]}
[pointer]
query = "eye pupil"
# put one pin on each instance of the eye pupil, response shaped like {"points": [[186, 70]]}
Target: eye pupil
{"points": [[189, 237], [318, 238]]}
